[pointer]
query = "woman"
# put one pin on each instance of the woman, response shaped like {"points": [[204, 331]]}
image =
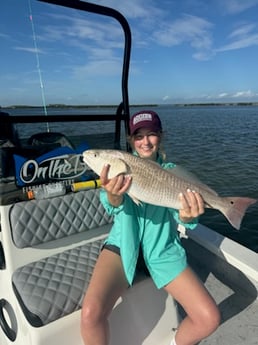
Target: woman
{"points": [[151, 231]]}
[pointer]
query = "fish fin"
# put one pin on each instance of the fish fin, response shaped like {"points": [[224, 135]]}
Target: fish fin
{"points": [[236, 211], [120, 167], [186, 175]]}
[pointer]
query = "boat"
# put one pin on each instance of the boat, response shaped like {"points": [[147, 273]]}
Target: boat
{"points": [[53, 226]]}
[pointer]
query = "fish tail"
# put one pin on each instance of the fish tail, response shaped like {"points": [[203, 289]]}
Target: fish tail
{"points": [[236, 210]]}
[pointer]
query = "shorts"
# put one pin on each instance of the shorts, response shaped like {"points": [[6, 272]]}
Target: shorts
{"points": [[162, 268], [140, 267]]}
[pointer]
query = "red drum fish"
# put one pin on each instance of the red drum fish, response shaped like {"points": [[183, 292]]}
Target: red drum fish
{"points": [[154, 185]]}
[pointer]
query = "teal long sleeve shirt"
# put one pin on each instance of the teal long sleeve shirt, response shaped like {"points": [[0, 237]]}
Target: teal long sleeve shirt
{"points": [[155, 229]]}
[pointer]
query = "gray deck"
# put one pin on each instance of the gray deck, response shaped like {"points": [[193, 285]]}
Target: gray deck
{"points": [[234, 293]]}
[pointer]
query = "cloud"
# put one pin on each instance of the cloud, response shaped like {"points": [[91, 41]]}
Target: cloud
{"points": [[165, 98], [29, 50], [243, 30], [4, 36], [188, 29], [149, 25], [91, 47], [238, 95], [244, 36], [223, 95], [237, 6], [135, 8], [244, 94], [95, 68], [73, 30]]}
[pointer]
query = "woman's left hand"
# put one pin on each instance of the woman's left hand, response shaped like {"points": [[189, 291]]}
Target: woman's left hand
{"points": [[192, 205]]}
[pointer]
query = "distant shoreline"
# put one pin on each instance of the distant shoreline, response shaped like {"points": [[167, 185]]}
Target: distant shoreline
{"points": [[74, 106], [228, 104], [133, 105]]}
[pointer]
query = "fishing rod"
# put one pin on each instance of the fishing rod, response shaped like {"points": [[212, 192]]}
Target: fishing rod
{"points": [[38, 63]]}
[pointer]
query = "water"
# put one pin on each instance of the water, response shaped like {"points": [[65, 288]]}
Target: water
{"points": [[217, 143]]}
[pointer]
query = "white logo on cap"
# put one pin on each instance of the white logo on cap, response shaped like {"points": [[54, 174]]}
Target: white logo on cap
{"points": [[142, 117]]}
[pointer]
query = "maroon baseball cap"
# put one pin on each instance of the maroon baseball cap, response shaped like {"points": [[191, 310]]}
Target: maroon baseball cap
{"points": [[145, 119]]}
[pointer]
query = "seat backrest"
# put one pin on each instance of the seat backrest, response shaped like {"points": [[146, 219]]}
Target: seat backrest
{"points": [[39, 221]]}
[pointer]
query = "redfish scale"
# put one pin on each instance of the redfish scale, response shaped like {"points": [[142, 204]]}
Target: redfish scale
{"points": [[167, 188], [154, 186]]}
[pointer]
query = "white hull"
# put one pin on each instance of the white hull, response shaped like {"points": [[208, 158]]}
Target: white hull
{"points": [[144, 315]]}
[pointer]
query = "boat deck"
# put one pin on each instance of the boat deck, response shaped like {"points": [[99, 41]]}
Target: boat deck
{"points": [[234, 293]]}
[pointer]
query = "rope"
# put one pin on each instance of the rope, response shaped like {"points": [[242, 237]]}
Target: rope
{"points": [[38, 63]]}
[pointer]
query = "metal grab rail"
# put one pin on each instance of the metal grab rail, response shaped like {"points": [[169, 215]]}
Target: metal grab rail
{"points": [[58, 118], [123, 109]]}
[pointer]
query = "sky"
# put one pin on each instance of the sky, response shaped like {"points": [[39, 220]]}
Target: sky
{"points": [[183, 51]]}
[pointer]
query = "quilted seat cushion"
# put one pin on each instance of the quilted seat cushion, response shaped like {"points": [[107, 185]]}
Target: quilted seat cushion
{"points": [[39, 221], [54, 287]]}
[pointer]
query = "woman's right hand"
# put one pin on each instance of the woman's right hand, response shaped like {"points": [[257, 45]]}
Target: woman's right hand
{"points": [[115, 187]]}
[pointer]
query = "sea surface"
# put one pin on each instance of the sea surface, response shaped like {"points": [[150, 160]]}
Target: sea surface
{"points": [[219, 144]]}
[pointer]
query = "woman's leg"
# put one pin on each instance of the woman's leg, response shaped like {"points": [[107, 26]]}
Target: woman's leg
{"points": [[203, 316], [107, 284]]}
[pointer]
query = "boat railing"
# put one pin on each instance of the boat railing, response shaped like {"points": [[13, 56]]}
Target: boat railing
{"points": [[122, 114]]}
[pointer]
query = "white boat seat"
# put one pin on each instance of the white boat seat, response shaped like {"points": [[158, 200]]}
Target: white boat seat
{"points": [[54, 287]]}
